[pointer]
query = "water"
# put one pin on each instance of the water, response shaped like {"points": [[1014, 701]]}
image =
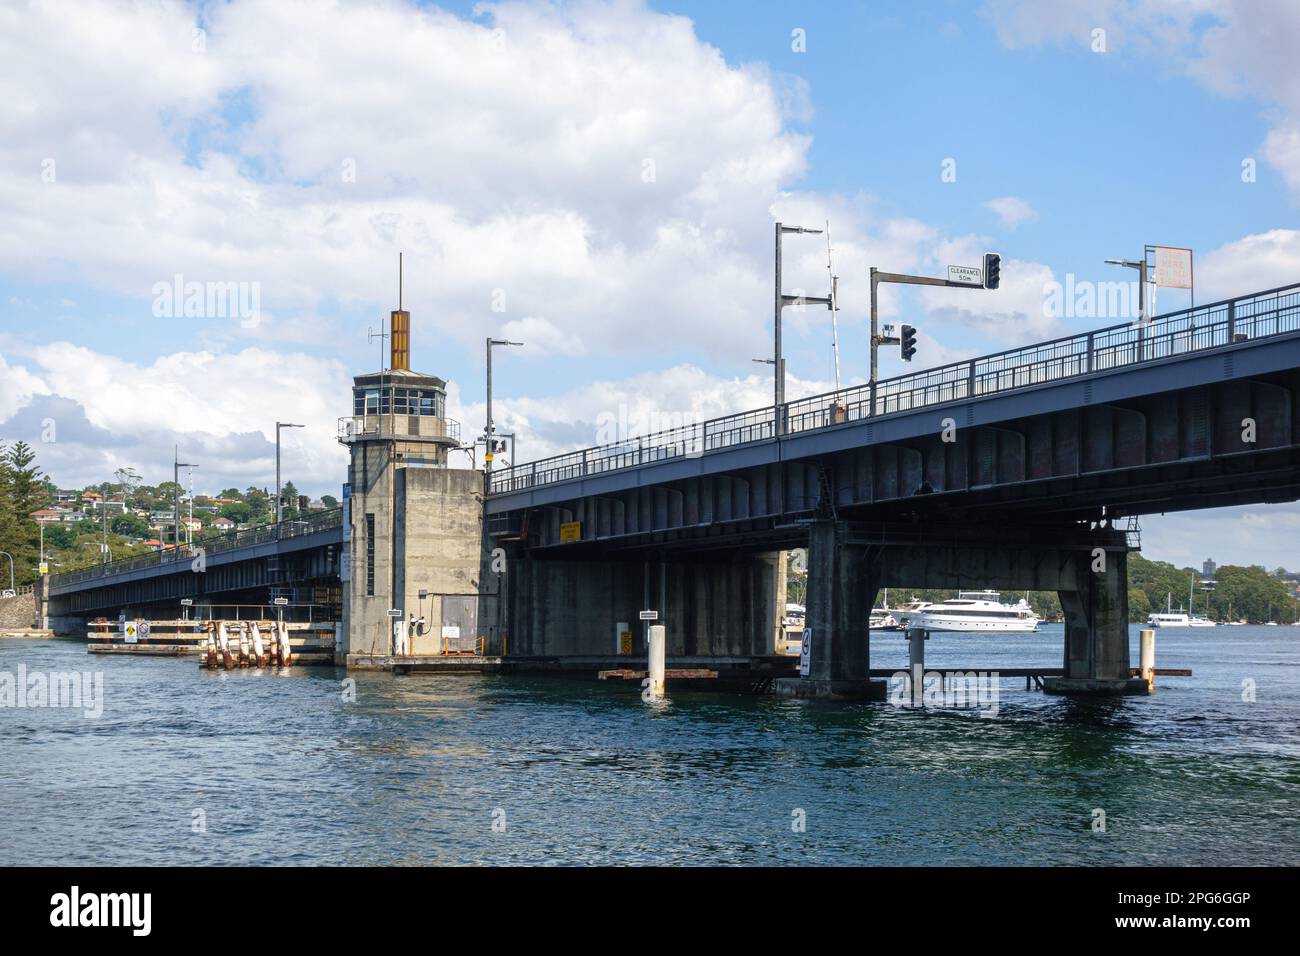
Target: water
{"points": [[281, 770]]}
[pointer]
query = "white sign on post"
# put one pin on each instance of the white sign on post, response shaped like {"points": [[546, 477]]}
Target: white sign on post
{"points": [[966, 275], [1173, 267], [805, 653], [649, 615]]}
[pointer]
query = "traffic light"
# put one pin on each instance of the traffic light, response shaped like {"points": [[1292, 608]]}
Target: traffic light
{"points": [[907, 341], [992, 270]]}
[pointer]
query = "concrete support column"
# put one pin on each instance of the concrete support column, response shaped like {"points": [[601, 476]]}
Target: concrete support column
{"points": [[841, 590], [1096, 630]]}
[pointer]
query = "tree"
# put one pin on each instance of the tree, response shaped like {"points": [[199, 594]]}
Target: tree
{"points": [[129, 526], [329, 501], [260, 501], [22, 491], [239, 512]]}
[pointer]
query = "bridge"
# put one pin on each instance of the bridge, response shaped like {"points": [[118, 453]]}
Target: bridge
{"points": [[1016, 470], [299, 558]]}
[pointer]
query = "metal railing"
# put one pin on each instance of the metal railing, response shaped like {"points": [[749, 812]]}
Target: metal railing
{"points": [[1254, 316], [211, 544], [354, 427]]}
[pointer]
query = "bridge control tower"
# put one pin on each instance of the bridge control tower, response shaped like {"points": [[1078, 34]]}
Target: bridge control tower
{"points": [[412, 525]]}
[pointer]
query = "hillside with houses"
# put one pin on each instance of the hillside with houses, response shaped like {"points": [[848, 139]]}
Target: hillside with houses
{"points": [[70, 528]]}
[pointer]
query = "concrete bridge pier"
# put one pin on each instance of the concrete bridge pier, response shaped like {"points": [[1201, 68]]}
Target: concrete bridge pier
{"points": [[1096, 631], [842, 585]]}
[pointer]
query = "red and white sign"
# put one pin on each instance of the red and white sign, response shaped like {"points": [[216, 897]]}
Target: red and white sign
{"points": [[1173, 267]]}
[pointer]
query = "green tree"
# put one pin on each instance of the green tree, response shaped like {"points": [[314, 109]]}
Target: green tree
{"points": [[22, 490], [240, 512], [129, 526]]}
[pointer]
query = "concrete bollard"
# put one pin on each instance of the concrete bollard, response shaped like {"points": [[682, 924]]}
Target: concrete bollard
{"points": [[1147, 656], [658, 656], [916, 638]]}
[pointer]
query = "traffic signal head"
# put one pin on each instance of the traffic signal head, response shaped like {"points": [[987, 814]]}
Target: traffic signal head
{"points": [[907, 341], [992, 270]]}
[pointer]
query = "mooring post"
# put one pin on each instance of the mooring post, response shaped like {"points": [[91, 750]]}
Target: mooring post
{"points": [[658, 649], [916, 638], [1147, 656]]}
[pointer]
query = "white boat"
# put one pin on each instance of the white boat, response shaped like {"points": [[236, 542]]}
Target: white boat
{"points": [[911, 609], [975, 611], [1180, 618], [1177, 619], [882, 620], [794, 616]]}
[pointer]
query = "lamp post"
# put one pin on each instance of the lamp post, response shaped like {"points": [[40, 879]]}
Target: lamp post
{"points": [[278, 509], [781, 301], [1141, 268], [177, 465], [487, 433]]}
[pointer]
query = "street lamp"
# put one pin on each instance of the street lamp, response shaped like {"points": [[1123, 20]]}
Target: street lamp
{"points": [[177, 465], [279, 512], [487, 434], [782, 300], [1141, 267]]}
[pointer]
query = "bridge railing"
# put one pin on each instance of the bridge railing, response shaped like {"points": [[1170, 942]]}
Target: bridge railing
{"points": [[211, 544], [1261, 314], [1189, 330]]}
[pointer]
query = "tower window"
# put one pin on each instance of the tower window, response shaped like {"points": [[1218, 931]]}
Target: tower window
{"points": [[370, 555]]}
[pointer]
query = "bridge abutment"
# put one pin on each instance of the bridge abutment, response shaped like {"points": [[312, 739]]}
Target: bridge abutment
{"points": [[842, 586], [1096, 631]]}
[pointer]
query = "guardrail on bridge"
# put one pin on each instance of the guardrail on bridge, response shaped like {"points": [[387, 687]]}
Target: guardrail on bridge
{"points": [[1255, 316]]}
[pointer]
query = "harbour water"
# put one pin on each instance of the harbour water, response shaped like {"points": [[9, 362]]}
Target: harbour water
{"points": [[187, 766]]}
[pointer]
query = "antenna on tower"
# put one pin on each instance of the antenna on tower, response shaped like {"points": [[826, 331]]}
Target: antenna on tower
{"points": [[399, 282], [835, 306]]}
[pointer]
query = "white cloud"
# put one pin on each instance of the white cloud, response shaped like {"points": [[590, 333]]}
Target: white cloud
{"points": [[1262, 261], [108, 412], [1012, 211]]}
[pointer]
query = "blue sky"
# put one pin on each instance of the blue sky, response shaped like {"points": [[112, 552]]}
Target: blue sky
{"points": [[503, 148]]}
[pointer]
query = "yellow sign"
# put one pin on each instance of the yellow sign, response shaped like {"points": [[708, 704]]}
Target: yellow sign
{"points": [[625, 643], [571, 531]]}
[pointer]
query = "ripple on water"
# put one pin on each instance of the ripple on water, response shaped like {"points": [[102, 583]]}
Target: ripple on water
{"points": [[419, 769]]}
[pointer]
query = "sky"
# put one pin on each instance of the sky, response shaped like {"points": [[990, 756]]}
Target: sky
{"points": [[599, 181]]}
